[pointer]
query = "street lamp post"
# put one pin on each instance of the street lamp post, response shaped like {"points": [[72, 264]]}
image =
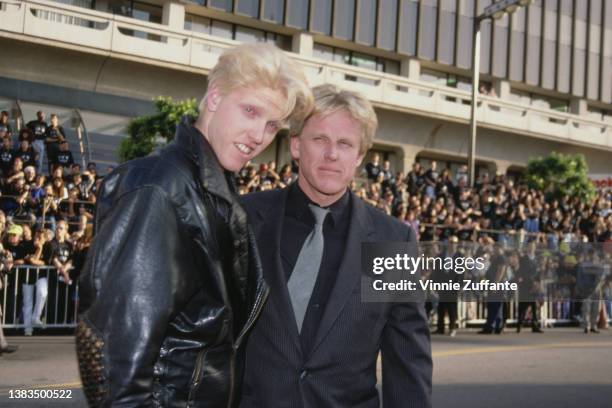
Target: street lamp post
{"points": [[493, 12], [475, 80]]}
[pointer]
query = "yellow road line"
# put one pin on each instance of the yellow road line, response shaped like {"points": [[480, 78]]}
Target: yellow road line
{"points": [[460, 352], [501, 349]]}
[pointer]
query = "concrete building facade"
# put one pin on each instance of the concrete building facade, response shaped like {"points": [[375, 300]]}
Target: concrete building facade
{"points": [[546, 69]]}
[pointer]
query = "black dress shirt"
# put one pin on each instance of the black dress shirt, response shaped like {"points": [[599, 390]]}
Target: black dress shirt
{"points": [[298, 222]]}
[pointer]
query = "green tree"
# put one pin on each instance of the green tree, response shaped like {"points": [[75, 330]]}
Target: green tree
{"points": [[560, 175], [148, 132]]}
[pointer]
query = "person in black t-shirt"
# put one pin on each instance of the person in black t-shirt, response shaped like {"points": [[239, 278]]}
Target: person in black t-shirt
{"points": [[5, 127], [64, 156], [15, 188], [449, 228], [25, 134], [48, 209], [12, 244], [415, 179], [386, 171], [75, 170], [37, 281], [54, 136], [498, 271], [39, 128], [81, 247], [465, 232], [27, 153], [6, 156], [489, 206], [58, 254], [92, 168], [20, 245], [27, 241], [448, 299], [58, 251], [528, 285], [6, 264], [431, 179], [373, 168], [14, 251]]}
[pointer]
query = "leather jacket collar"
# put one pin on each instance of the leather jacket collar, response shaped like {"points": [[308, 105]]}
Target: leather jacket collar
{"points": [[214, 178]]}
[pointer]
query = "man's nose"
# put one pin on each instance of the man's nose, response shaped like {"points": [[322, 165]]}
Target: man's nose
{"points": [[331, 151], [257, 133]]}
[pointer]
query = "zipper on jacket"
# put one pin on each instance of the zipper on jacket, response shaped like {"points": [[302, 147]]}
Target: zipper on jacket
{"points": [[257, 309], [196, 381], [230, 400]]}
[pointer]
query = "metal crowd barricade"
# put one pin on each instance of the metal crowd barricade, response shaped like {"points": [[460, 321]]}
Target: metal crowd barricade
{"points": [[60, 306], [551, 312], [555, 308], [555, 299]]}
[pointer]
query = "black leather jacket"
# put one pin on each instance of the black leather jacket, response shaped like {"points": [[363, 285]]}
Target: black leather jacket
{"points": [[171, 286]]}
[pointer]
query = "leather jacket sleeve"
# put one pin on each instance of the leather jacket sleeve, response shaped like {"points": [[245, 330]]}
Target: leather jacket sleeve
{"points": [[130, 286]]}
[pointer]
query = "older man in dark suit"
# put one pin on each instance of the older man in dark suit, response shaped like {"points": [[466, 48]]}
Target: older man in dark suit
{"points": [[316, 344]]}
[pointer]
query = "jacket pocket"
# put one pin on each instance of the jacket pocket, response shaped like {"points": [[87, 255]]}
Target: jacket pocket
{"points": [[212, 379]]}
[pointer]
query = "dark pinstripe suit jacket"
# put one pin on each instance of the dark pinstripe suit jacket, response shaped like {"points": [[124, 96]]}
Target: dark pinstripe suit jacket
{"points": [[340, 369]]}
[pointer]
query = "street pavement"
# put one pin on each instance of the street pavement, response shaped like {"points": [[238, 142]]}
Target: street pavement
{"points": [[560, 368]]}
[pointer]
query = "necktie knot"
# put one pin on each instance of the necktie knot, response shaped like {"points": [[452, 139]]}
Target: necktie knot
{"points": [[318, 213]]}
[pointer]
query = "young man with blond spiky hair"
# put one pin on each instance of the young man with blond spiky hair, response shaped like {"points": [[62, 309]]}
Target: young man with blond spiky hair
{"points": [[173, 283]]}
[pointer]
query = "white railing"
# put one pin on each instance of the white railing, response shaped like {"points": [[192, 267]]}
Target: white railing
{"points": [[123, 37], [47, 299]]}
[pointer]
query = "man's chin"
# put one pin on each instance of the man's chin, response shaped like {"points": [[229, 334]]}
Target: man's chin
{"points": [[332, 191], [233, 165]]}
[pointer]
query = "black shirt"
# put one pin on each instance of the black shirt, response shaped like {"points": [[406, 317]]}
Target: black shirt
{"points": [[372, 170], [53, 145], [298, 222], [527, 272], [55, 249], [18, 251], [497, 261], [29, 249], [6, 159], [431, 176], [64, 158], [28, 156], [38, 128], [55, 133]]}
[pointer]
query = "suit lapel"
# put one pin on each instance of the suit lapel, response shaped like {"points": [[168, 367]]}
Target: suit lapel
{"points": [[360, 229], [268, 232]]}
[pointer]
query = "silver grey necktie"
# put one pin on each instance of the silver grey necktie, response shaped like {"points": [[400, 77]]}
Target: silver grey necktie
{"points": [[304, 274]]}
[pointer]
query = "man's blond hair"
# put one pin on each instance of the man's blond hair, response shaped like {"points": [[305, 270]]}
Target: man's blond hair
{"points": [[330, 98], [264, 65]]}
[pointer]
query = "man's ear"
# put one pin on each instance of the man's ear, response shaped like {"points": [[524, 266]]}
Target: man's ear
{"points": [[213, 98], [294, 146], [360, 159]]}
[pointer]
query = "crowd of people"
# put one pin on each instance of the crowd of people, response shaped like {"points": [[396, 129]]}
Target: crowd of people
{"points": [[46, 217], [496, 213], [46, 208], [439, 205]]}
